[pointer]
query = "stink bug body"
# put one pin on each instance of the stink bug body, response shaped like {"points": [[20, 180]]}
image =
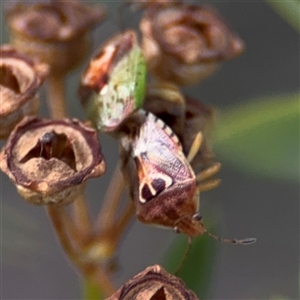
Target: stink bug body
{"points": [[164, 187], [165, 191]]}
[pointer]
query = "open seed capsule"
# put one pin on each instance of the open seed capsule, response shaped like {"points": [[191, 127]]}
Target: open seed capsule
{"points": [[113, 85]]}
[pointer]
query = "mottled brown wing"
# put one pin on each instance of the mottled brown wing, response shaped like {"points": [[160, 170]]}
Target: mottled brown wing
{"points": [[159, 159]]}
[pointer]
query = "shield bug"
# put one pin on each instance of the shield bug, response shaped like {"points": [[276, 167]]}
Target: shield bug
{"points": [[164, 187], [113, 85], [186, 117]]}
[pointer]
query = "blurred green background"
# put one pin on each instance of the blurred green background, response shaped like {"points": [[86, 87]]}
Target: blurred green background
{"points": [[256, 140]]}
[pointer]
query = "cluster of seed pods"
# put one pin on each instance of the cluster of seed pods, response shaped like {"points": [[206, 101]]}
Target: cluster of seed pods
{"points": [[163, 134], [156, 161]]}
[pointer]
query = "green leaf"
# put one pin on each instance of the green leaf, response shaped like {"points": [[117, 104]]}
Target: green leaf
{"points": [[289, 10], [262, 137], [197, 268]]}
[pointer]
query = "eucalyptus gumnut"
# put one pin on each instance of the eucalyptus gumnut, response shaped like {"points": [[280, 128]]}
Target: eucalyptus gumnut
{"points": [[184, 43], [49, 161], [55, 32], [20, 81], [113, 85], [154, 283]]}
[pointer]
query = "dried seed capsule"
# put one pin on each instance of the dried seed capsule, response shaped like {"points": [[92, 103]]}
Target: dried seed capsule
{"points": [[20, 80], [185, 116], [165, 100], [184, 43], [198, 117], [154, 283], [55, 32], [113, 85], [138, 4], [49, 161]]}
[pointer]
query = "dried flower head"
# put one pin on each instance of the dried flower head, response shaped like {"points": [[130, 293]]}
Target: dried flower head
{"points": [[185, 116], [113, 85], [166, 101], [139, 4], [20, 80], [54, 31], [198, 117], [154, 283], [184, 43], [49, 161]]}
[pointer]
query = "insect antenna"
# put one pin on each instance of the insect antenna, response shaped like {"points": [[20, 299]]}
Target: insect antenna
{"points": [[245, 242], [185, 255]]}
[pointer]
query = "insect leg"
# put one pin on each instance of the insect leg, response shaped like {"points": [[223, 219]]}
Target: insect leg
{"points": [[208, 184], [195, 146], [187, 250], [208, 172]]}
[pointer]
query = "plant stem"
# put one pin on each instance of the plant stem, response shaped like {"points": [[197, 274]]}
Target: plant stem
{"points": [[106, 241], [57, 106], [124, 220], [56, 96], [56, 215], [106, 217], [108, 227], [82, 218], [73, 233], [89, 270]]}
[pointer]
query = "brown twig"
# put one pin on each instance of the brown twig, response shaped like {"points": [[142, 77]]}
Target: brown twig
{"points": [[58, 220], [104, 245], [72, 232], [56, 96], [108, 227], [124, 220], [106, 217], [89, 270], [82, 218], [57, 106]]}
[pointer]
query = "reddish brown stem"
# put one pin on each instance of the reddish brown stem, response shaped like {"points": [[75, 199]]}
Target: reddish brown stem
{"points": [[56, 96], [57, 106], [106, 217], [82, 218], [56, 215], [106, 241], [91, 271], [124, 220], [74, 232]]}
